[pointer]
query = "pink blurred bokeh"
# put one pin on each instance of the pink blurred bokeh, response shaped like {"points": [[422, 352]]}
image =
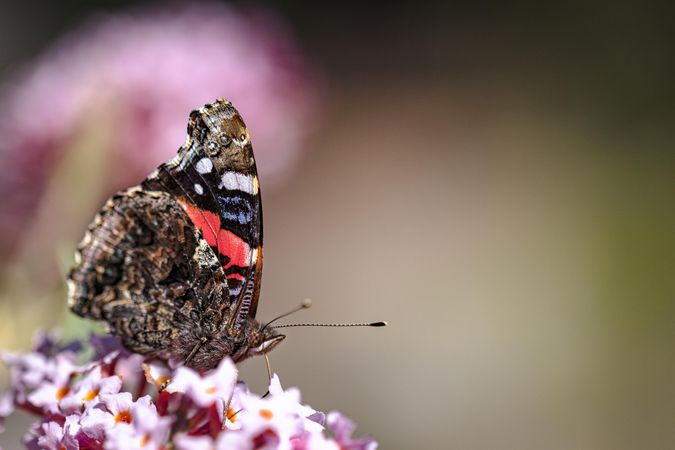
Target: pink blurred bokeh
{"points": [[140, 73]]}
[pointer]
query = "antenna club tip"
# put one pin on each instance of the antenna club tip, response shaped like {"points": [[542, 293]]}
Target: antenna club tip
{"points": [[379, 324], [306, 303]]}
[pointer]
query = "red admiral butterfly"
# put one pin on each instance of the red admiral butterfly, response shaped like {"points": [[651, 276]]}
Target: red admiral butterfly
{"points": [[173, 265]]}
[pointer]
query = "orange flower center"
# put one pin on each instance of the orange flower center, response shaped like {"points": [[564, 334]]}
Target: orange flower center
{"points": [[160, 381], [211, 390], [62, 392], [123, 416], [91, 394], [144, 440], [231, 414], [266, 414]]}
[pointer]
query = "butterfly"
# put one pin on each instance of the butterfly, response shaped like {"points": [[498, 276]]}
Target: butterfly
{"points": [[173, 265]]}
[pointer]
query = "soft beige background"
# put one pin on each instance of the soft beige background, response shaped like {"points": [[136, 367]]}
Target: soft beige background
{"points": [[514, 224]]}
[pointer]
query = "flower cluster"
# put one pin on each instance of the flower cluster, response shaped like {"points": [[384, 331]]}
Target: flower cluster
{"points": [[119, 401]]}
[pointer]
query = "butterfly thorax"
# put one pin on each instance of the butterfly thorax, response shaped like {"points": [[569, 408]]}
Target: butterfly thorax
{"points": [[251, 340]]}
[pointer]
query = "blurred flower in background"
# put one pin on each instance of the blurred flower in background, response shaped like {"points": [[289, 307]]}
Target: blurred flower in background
{"points": [[140, 74], [109, 102]]}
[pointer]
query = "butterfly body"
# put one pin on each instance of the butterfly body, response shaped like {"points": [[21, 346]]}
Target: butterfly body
{"points": [[173, 266]]}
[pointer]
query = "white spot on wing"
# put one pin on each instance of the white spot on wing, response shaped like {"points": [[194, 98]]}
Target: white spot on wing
{"points": [[239, 182], [199, 189], [204, 165]]}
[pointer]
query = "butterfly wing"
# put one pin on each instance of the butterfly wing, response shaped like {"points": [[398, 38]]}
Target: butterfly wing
{"points": [[214, 179], [144, 269]]}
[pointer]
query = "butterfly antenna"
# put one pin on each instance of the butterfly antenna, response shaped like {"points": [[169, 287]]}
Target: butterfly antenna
{"points": [[372, 324], [306, 303]]}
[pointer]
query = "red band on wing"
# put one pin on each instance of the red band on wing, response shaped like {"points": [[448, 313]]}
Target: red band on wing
{"points": [[236, 276], [234, 247], [228, 243], [207, 222]]}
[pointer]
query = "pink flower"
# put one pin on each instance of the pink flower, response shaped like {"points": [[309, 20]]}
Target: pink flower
{"points": [[147, 431], [292, 398], [130, 367], [343, 428], [278, 417], [50, 392], [96, 422], [27, 370], [57, 437], [119, 406], [131, 79], [207, 390], [88, 391], [157, 374], [130, 370], [232, 420]]}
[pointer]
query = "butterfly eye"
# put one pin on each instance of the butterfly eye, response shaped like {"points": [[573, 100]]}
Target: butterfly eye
{"points": [[225, 140], [212, 148], [242, 138]]}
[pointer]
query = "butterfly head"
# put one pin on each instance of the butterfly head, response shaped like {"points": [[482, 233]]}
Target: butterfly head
{"points": [[255, 339]]}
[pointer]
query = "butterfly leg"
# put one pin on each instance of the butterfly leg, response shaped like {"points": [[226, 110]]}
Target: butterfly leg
{"points": [[203, 340]]}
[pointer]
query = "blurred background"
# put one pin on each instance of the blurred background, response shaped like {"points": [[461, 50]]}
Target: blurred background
{"points": [[495, 181]]}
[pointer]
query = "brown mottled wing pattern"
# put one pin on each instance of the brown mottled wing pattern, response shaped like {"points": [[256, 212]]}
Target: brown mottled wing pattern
{"points": [[144, 269]]}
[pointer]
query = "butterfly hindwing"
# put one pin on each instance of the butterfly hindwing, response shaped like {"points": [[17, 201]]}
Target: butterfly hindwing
{"points": [[142, 270]]}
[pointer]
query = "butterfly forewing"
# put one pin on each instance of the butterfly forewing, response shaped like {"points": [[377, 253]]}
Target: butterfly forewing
{"points": [[214, 178]]}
